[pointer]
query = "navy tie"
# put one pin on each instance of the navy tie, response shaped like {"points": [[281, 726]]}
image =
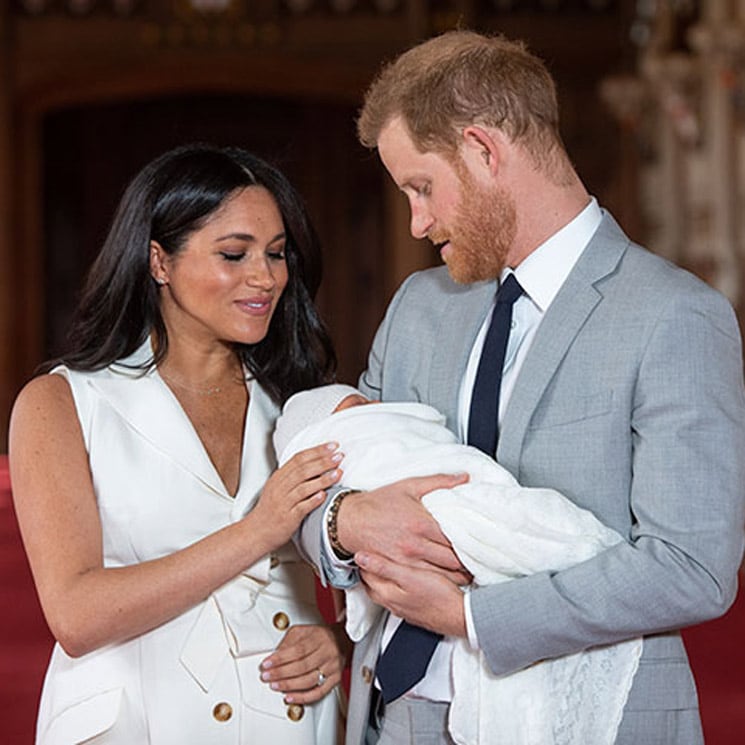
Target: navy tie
{"points": [[404, 661], [484, 414]]}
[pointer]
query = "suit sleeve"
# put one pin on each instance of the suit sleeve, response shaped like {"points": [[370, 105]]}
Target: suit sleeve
{"points": [[686, 442], [372, 382]]}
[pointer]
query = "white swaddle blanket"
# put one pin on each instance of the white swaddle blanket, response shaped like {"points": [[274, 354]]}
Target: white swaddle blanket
{"points": [[500, 531]]}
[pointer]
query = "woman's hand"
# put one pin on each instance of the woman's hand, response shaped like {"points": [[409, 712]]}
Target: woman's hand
{"points": [[296, 489], [308, 662]]}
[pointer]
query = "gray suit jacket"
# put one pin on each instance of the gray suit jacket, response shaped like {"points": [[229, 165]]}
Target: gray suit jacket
{"points": [[631, 403]]}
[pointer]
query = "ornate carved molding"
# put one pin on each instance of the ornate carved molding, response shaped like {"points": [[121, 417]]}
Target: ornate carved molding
{"points": [[684, 105]]}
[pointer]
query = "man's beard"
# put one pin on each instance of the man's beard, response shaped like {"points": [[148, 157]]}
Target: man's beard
{"points": [[482, 234]]}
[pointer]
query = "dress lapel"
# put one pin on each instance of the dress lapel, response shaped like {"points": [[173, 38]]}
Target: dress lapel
{"points": [[146, 403], [149, 407], [258, 459]]}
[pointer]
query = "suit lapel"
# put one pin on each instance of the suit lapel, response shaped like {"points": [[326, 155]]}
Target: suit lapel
{"points": [[563, 321], [462, 316]]}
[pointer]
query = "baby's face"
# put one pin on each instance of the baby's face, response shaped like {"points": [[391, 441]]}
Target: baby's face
{"points": [[354, 399]]}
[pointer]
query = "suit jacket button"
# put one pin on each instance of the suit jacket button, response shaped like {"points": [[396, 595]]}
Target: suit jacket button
{"points": [[222, 711], [367, 674], [295, 712], [281, 621]]}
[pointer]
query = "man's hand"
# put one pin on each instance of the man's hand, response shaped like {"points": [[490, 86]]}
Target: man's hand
{"points": [[421, 596], [392, 522]]}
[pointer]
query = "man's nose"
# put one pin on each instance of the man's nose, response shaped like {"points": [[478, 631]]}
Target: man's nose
{"points": [[421, 221]]}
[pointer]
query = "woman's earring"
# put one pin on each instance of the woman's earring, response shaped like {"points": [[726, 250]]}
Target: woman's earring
{"points": [[160, 280]]}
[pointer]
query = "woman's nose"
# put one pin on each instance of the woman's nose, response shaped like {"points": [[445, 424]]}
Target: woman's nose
{"points": [[259, 274]]}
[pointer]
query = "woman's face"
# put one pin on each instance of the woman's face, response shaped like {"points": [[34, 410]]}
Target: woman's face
{"points": [[224, 285]]}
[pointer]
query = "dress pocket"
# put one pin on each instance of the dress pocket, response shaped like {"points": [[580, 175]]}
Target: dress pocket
{"points": [[267, 711], [85, 719]]}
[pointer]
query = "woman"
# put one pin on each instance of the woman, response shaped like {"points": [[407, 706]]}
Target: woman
{"points": [[142, 468]]}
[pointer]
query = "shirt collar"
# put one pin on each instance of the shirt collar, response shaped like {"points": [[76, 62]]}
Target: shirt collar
{"points": [[544, 271]]}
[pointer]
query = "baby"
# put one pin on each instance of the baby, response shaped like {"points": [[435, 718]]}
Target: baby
{"points": [[501, 531]]}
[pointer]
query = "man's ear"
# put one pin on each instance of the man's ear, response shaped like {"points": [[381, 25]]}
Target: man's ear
{"points": [[158, 263], [481, 148]]}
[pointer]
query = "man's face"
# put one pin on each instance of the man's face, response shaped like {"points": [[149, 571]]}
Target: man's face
{"points": [[470, 222]]}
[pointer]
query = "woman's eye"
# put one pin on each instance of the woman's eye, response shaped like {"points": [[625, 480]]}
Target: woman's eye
{"points": [[232, 256], [278, 255]]}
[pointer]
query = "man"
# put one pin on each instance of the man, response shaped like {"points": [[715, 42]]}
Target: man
{"points": [[621, 387]]}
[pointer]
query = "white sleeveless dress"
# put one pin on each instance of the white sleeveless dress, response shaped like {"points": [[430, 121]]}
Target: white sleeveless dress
{"points": [[195, 679]]}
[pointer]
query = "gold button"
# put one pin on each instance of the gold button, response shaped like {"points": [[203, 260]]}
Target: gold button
{"points": [[295, 712], [367, 674], [273, 562], [222, 711], [281, 621]]}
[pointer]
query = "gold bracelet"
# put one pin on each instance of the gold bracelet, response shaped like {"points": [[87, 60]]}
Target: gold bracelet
{"points": [[332, 528]]}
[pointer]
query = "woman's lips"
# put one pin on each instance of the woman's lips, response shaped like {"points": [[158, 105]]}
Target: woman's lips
{"points": [[255, 306]]}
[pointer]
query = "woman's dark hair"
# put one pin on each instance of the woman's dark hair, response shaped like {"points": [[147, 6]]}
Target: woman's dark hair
{"points": [[171, 198]]}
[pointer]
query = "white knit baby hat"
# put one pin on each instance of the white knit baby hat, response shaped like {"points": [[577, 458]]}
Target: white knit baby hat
{"points": [[308, 407]]}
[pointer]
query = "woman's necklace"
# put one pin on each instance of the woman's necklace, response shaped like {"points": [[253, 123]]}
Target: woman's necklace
{"points": [[208, 391]]}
